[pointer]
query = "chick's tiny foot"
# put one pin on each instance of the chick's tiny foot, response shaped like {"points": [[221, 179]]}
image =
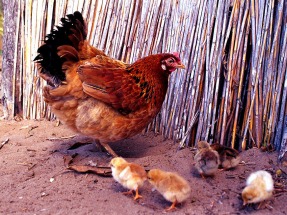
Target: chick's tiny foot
{"points": [[130, 192], [172, 207], [137, 196], [261, 205]]}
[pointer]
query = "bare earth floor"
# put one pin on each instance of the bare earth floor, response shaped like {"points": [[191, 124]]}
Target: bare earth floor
{"points": [[35, 180]]}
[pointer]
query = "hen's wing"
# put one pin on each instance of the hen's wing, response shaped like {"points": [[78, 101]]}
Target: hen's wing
{"points": [[114, 83]]}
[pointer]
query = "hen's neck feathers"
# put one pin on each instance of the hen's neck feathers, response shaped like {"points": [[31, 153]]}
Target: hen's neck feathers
{"points": [[151, 77]]}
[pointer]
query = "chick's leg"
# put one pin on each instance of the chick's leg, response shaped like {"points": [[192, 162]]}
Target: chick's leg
{"points": [[137, 196], [261, 204], [172, 206], [130, 192], [202, 175]]}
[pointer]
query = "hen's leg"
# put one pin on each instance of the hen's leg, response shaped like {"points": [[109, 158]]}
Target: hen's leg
{"points": [[107, 148]]}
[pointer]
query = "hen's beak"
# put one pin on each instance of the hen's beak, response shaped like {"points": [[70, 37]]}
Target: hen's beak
{"points": [[180, 66]]}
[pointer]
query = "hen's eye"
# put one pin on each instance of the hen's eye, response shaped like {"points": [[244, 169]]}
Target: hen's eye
{"points": [[171, 60]]}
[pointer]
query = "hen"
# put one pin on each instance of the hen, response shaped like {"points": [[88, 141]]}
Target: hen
{"points": [[96, 95]]}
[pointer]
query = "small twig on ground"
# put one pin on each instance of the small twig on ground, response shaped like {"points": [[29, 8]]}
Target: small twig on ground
{"points": [[4, 142], [58, 123], [32, 127], [29, 165], [229, 176], [60, 138], [247, 163], [241, 177], [230, 190]]}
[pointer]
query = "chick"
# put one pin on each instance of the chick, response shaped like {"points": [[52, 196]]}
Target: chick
{"points": [[173, 187], [259, 187], [129, 175], [229, 157], [206, 159]]}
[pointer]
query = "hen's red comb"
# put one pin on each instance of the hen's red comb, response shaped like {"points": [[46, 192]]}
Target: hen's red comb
{"points": [[176, 54]]}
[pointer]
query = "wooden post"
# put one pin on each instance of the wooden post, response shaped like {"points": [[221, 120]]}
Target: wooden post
{"points": [[10, 8]]}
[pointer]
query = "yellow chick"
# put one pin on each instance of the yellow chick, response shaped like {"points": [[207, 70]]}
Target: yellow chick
{"points": [[129, 175], [206, 159], [229, 157], [259, 187], [173, 187]]}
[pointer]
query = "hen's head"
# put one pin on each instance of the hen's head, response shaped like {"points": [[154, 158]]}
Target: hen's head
{"points": [[171, 62]]}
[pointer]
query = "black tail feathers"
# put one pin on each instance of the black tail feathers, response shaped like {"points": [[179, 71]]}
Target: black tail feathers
{"points": [[69, 33]]}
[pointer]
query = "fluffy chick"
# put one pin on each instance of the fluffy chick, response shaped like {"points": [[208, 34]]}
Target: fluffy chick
{"points": [[129, 175], [173, 187], [259, 187], [206, 159], [229, 157]]}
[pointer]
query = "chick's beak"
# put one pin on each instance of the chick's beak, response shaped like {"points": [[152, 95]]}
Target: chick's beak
{"points": [[180, 66]]}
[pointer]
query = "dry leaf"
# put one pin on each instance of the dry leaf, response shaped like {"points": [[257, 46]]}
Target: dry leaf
{"points": [[106, 172]]}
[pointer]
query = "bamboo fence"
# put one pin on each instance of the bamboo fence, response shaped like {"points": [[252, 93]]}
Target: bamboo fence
{"points": [[234, 88]]}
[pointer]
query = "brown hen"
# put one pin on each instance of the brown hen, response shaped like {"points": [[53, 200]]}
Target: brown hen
{"points": [[96, 95]]}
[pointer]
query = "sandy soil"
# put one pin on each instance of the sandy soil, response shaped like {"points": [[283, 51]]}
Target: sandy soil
{"points": [[35, 180]]}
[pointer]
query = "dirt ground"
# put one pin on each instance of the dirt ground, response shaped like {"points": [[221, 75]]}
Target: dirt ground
{"points": [[35, 180]]}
